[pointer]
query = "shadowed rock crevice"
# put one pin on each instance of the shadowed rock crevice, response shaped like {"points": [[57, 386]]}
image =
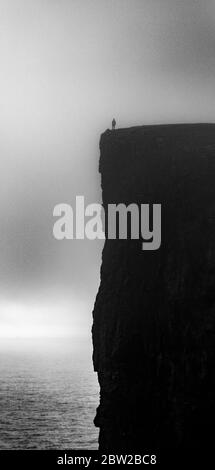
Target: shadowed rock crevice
{"points": [[154, 315]]}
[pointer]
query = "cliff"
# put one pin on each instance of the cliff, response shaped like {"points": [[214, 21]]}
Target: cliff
{"points": [[154, 315]]}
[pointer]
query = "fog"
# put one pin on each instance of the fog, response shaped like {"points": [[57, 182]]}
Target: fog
{"points": [[68, 67]]}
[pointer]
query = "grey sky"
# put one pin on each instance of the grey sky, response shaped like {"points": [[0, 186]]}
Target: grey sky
{"points": [[68, 67]]}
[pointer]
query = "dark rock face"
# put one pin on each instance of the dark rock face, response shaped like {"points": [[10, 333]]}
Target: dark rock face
{"points": [[154, 315]]}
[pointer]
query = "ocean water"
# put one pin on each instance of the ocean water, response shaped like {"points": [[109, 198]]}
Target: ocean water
{"points": [[48, 395]]}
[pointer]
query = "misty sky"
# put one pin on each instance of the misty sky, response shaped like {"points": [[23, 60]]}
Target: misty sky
{"points": [[67, 67]]}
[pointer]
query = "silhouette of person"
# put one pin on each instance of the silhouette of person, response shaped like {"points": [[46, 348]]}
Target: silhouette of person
{"points": [[113, 124]]}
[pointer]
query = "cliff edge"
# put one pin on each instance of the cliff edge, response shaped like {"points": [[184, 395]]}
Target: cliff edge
{"points": [[154, 315]]}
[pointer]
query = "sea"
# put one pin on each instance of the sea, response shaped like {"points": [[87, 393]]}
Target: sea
{"points": [[48, 394]]}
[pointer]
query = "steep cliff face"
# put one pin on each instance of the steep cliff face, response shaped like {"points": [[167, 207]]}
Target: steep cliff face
{"points": [[154, 315]]}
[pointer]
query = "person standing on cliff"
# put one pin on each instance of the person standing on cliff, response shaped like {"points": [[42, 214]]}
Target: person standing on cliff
{"points": [[113, 124]]}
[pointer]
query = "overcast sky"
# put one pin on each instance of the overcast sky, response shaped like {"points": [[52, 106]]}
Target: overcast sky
{"points": [[67, 67]]}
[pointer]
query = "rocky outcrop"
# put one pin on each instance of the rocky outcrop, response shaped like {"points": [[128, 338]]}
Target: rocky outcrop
{"points": [[154, 315]]}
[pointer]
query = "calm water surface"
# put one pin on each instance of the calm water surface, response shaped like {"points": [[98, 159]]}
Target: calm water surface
{"points": [[48, 395]]}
